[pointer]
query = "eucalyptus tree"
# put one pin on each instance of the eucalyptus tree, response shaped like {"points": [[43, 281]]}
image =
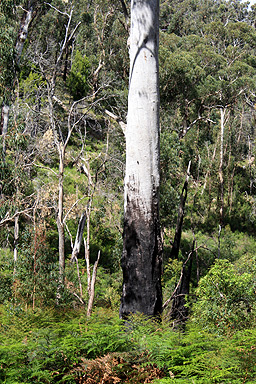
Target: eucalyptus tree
{"points": [[141, 259]]}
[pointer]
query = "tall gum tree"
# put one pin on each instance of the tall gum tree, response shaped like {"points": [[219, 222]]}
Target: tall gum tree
{"points": [[141, 259]]}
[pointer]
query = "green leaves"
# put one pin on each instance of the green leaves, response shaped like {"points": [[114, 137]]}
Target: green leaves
{"points": [[77, 81], [225, 299]]}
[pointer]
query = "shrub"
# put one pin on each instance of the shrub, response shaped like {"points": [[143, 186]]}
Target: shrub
{"points": [[77, 81], [225, 299]]}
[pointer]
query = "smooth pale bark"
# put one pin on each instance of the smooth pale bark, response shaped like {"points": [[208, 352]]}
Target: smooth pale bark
{"points": [[222, 119], [91, 280], [4, 125], [60, 221], [23, 31], [141, 259], [16, 240]]}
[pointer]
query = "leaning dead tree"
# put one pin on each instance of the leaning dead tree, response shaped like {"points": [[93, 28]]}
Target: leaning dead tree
{"points": [[179, 309]]}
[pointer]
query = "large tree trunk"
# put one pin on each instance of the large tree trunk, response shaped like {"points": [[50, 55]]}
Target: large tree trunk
{"points": [[141, 259]]}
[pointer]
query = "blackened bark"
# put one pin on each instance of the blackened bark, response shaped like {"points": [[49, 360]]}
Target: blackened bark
{"points": [[125, 11], [179, 310], [141, 264], [183, 197], [141, 259], [65, 64], [79, 237]]}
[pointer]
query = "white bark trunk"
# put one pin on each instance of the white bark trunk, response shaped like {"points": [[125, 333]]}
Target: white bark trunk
{"points": [[16, 239], [5, 118], [222, 119], [141, 260], [142, 136], [4, 125], [60, 222], [23, 32], [92, 286]]}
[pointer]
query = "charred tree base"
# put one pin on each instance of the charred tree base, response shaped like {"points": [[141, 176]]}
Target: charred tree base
{"points": [[141, 264]]}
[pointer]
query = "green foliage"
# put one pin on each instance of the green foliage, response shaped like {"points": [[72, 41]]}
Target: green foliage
{"points": [[225, 299], [36, 270], [44, 346], [54, 346], [77, 81], [6, 276]]}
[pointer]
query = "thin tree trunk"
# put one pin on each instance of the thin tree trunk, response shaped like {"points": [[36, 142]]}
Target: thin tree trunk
{"points": [[23, 31], [16, 240], [79, 237], [222, 118], [4, 125], [177, 237], [60, 223], [91, 285], [179, 310], [34, 271], [141, 259]]}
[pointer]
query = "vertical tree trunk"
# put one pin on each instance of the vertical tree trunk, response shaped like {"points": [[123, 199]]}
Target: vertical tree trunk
{"points": [[60, 223], [141, 259], [16, 239], [179, 310], [222, 117], [91, 281], [183, 197], [4, 125]]}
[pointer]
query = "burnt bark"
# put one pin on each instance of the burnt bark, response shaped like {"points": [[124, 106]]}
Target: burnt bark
{"points": [[179, 310], [79, 237], [141, 259], [177, 237], [141, 264]]}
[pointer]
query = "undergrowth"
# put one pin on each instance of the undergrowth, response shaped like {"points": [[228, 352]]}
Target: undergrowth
{"points": [[50, 346]]}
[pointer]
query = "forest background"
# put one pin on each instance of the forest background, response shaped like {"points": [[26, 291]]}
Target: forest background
{"points": [[64, 75]]}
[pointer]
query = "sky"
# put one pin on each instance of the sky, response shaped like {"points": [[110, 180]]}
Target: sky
{"points": [[251, 1]]}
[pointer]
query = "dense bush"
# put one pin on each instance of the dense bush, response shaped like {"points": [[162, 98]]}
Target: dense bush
{"points": [[66, 347], [226, 299]]}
